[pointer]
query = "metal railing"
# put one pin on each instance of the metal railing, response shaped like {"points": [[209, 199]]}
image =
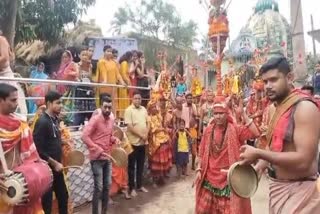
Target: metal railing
{"points": [[51, 82], [70, 83]]}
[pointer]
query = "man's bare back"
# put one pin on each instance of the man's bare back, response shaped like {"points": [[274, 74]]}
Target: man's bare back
{"points": [[5, 53], [205, 108]]}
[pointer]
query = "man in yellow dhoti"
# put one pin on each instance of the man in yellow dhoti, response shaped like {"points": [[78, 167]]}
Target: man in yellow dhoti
{"points": [[108, 72]]}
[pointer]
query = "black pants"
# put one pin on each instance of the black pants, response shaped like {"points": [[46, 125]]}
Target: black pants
{"points": [[135, 166], [60, 189]]}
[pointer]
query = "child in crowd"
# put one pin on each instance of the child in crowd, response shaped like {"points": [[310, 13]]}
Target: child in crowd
{"points": [[182, 148], [181, 87], [194, 141]]}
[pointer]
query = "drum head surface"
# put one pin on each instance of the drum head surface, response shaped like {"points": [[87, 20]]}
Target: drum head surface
{"points": [[75, 158], [243, 180], [120, 156], [117, 132], [17, 191]]}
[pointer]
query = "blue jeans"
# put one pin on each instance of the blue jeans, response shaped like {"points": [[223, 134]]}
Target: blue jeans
{"points": [[101, 170]]}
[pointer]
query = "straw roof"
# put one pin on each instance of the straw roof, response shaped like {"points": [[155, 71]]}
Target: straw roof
{"points": [[30, 52]]}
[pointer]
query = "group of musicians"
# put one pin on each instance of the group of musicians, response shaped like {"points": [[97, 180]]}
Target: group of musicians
{"points": [[293, 158]]}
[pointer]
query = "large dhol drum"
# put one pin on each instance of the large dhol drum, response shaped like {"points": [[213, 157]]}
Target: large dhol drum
{"points": [[28, 183]]}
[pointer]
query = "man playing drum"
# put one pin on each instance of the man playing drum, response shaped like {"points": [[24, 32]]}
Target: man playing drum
{"points": [[219, 149], [293, 137], [18, 146], [47, 138]]}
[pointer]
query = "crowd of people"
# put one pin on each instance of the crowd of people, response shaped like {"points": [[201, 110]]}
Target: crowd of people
{"points": [[273, 129], [81, 101]]}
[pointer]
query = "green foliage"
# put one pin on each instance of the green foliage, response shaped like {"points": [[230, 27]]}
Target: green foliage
{"points": [[44, 19], [312, 61], [157, 19], [121, 18], [151, 47], [182, 34]]}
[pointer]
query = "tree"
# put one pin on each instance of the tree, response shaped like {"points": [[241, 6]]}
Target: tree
{"points": [[205, 47], [8, 14], [157, 19], [39, 19], [182, 34], [121, 18]]}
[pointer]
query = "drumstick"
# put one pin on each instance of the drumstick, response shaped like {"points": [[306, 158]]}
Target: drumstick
{"points": [[72, 167], [3, 188], [224, 170], [3, 160], [114, 160]]}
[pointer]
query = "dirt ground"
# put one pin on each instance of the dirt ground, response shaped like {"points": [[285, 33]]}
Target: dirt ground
{"points": [[176, 197]]}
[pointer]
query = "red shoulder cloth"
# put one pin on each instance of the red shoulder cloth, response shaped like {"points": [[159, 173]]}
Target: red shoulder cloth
{"points": [[282, 121]]}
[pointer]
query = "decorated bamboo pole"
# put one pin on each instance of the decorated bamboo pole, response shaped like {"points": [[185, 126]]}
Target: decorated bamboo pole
{"points": [[218, 34]]}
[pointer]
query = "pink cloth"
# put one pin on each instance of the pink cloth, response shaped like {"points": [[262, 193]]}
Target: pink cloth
{"points": [[97, 135], [67, 71], [287, 197], [281, 128], [188, 113]]}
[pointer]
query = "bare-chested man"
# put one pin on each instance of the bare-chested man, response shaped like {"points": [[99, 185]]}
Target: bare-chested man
{"points": [[177, 112], [6, 56], [5, 53], [206, 110], [293, 135]]}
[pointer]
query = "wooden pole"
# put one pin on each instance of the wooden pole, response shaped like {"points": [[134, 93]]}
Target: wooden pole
{"points": [[299, 55], [313, 40]]}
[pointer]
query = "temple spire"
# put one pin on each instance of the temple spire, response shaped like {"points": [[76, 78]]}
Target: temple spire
{"points": [[263, 5]]}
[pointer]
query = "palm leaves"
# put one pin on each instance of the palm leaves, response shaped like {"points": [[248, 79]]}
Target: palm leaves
{"points": [[120, 19]]}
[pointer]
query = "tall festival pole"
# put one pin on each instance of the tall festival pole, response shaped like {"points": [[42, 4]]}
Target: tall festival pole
{"points": [[218, 34]]}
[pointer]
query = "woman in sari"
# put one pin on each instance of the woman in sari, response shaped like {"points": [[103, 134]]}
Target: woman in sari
{"points": [[133, 72], [123, 93], [85, 103], [160, 152], [37, 90], [68, 71], [143, 80]]}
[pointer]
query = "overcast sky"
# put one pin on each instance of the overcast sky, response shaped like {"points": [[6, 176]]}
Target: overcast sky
{"points": [[238, 13]]}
